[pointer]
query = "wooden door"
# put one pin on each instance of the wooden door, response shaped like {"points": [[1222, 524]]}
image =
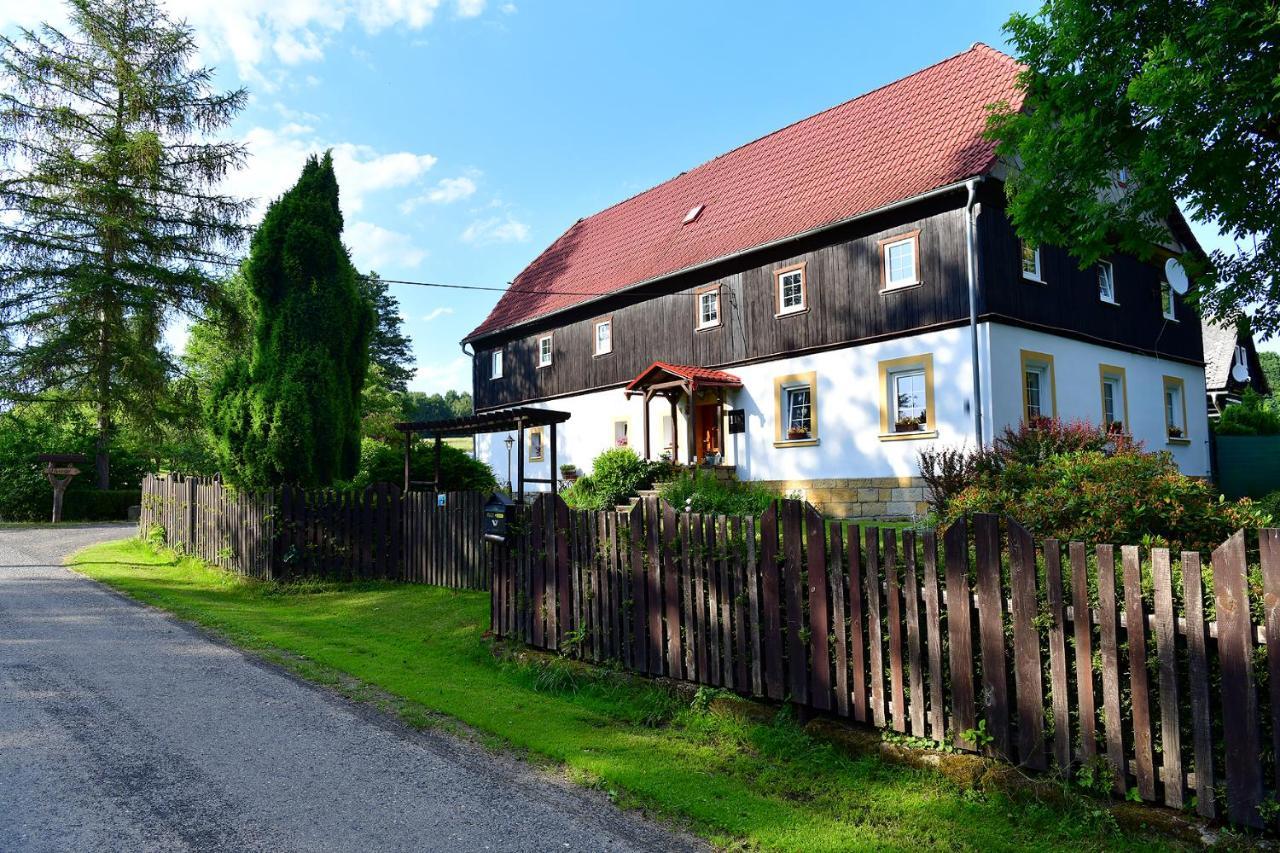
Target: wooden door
{"points": [[706, 428]]}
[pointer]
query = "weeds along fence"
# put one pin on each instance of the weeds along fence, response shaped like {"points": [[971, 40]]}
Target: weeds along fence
{"points": [[1159, 676], [375, 534]]}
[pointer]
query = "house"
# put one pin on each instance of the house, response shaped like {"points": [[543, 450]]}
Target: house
{"points": [[1230, 365], [815, 307]]}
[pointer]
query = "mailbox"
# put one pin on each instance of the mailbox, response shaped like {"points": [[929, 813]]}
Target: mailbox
{"points": [[737, 421], [497, 513]]}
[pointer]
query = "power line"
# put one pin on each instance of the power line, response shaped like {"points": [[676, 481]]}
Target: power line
{"points": [[400, 281]]}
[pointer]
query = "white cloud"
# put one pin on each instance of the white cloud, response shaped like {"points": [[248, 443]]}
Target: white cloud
{"points": [[509, 8], [374, 247], [446, 191], [276, 158], [470, 8], [438, 378], [251, 33], [484, 232], [437, 312]]}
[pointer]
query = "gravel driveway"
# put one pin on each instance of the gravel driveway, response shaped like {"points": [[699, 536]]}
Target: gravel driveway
{"points": [[121, 728]]}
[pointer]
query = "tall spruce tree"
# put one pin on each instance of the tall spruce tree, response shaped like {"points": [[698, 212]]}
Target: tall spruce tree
{"points": [[389, 347], [108, 181], [290, 412]]}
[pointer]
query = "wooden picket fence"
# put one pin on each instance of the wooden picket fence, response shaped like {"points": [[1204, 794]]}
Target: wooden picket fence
{"points": [[980, 637], [375, 534]]}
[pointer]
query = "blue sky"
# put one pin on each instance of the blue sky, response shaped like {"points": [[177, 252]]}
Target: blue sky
{"points": [[468, 134]]}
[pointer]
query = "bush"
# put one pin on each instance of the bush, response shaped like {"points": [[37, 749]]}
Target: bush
{"points": [[705, 493], [384, 463], [946, 472], [615, 476], [94, 505], [1253, 415], [1123, 497]]}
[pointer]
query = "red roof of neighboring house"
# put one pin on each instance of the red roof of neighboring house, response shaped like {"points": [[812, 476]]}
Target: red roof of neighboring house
{"points": [[688, 372], [906, 138]]}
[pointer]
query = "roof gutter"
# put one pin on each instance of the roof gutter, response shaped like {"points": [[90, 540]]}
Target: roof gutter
{"points": [[971, 223], [782, 241]]}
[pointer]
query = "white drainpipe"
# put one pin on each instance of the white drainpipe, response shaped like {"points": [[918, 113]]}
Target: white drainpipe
{"points": [[972, 252]]}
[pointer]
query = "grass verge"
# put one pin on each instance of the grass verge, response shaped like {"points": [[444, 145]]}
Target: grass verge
{"points": [[422, 651]]}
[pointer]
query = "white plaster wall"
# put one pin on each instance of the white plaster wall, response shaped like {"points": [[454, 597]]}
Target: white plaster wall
{"points": [[1079, 395], [848, 416]]}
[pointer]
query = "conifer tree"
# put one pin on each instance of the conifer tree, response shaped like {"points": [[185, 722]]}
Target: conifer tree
{"points": [[290, 411]]}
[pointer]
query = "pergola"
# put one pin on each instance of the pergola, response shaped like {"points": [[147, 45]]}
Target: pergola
{"points": [[663, 379], [503, 420]]}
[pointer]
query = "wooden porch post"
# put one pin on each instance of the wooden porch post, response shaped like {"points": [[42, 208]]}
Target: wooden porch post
{"points": [[555, 483], [693, 435], [520, 461]]}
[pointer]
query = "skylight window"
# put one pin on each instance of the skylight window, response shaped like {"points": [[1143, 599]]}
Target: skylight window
{"points": [[694, 213]]}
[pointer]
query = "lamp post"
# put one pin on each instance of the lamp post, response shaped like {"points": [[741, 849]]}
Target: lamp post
{"points": [[509, 441]]}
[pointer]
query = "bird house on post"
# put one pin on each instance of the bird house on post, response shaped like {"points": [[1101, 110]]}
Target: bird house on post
{"points": [[497, 516], [59, 469]]}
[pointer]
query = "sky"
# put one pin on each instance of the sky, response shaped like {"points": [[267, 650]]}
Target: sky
{"points": [[468, 134]]}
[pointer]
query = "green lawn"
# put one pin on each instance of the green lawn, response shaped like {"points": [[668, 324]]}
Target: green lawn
{"points": [[740, 784]]}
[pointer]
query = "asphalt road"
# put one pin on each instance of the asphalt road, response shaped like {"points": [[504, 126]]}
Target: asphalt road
{"points": [[123, 729]]}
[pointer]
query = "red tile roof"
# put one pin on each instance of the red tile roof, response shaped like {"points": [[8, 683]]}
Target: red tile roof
{"points": [[688, 372], [906, 138]]}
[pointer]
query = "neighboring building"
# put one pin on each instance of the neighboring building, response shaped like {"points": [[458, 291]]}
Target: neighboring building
{"points": [[801, 309], [1231, 365]]}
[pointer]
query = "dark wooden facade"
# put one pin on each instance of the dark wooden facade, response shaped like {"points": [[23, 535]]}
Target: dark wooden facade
{"points": [[846, 304]]}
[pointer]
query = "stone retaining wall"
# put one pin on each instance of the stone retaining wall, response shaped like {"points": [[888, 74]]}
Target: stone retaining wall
{"points": [[870, 497]]}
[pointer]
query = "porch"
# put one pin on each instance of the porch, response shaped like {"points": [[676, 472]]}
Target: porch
{"points": [[705, 392]]}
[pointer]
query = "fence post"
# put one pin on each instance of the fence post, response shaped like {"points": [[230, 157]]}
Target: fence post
{"points": [[1239, 698]]}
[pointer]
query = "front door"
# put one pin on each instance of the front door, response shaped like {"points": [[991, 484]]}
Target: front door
{"points": [[706, 428]]}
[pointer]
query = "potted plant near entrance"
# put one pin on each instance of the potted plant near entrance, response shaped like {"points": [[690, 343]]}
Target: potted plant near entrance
{"points": [[569, 472]]}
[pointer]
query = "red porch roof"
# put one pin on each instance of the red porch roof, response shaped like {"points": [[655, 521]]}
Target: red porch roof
{"points": [[698, 377], [904, 139]]}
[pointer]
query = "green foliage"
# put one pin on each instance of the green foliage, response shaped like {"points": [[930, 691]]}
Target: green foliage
{"points": [[384, 463], [1271, 370], [1181, 96], [979, 737], [1096, 776], [616, 475], [1253, 415], [291, 411], [25, 494], [1124, 497], [389, 347], [99, 505], [705, 493], [419, 406], [111, 168]]}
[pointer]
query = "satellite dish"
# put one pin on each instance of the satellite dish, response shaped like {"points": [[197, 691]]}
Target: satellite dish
{"points": [[1239, 372], [1176, 275]]}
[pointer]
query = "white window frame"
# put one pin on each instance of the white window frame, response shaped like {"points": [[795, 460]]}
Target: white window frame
{"points": [[895, 413], [1169, 312], [1109, 269], [606, 323], [787, 405], [886, 251], [1175, 409], [713, 295], [544, 354], [537, 445], [1115, 378], [780, 277], [622, 438], [495, 364], [1034, 275]]}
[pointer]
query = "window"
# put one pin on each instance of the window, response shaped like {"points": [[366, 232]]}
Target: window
{"points": [[1115, 404], [1031, 262], [1039, 397], [495, 364], [899, 258], [604, 336], [1106, 282], [668, 432], [620, 438], [1167, 306], [796, 399], [544, 351], [791, 289], [709, 308], [906, 404], [1175, 410], [535, 444]]}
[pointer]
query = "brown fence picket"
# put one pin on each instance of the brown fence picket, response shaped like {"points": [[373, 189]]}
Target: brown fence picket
{"points": [[955, 542], [639, 598], [1026, 646], [1166, 651], [1239, 698], [991, 631], [1198, 679], [1139, 694], [915, 670], [875, 634], [1108, 628], [1083, 631], [1269, 559], [1054, 597], [933, 636], [857, 627], [672, 567], [770, 602], [893, 596], [700, 547], [738, 597], [797, 658], [839, 622], [753, 609], [725, 564], [819, 616]]}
